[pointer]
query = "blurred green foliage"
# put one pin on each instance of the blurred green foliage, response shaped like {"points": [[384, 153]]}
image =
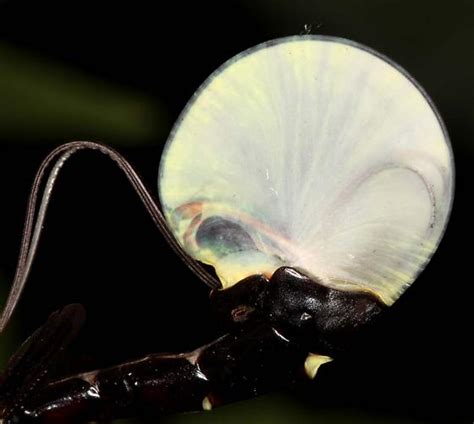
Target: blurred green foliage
{"points": [[279, 409], [46, 101]]}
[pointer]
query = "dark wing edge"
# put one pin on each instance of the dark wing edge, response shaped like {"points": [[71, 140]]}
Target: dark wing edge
{"points": [[34, 361]]}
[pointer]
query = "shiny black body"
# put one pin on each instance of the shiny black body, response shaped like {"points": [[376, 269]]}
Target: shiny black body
{"points": [[269, 328]]}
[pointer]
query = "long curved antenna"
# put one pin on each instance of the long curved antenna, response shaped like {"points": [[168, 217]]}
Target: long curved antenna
{"points": [[32, 230]]}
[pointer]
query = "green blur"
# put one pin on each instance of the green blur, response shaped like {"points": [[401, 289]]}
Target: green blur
{"points": [[44, 101], [279, 409]]}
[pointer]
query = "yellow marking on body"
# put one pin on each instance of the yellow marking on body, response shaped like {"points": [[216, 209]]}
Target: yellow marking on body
{"points": [[313, 362], [206, 404]]}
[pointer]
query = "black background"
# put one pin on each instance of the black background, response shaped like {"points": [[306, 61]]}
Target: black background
{"points": [[100, 248]]}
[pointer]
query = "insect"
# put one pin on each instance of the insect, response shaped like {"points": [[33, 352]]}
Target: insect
{"points": [[315, 176]]}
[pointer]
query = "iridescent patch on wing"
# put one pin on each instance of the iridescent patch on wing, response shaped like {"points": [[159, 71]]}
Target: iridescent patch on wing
{"points": [[311, 152]]}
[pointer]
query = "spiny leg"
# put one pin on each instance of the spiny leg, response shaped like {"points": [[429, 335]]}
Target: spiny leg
{"points": [[236, 366]]}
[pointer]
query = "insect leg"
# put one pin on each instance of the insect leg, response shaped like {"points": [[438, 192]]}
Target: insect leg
{"points": [[236, 366]]}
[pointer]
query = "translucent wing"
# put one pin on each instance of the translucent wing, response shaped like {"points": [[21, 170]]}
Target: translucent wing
{"points": [[34, 361], [312, 152]]}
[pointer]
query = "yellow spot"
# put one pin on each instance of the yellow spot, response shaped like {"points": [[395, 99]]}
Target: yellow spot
{"points": [[206, 404], [313, 362]]}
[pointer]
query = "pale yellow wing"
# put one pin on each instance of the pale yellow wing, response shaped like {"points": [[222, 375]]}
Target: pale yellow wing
{"points": [[312, 152]]}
